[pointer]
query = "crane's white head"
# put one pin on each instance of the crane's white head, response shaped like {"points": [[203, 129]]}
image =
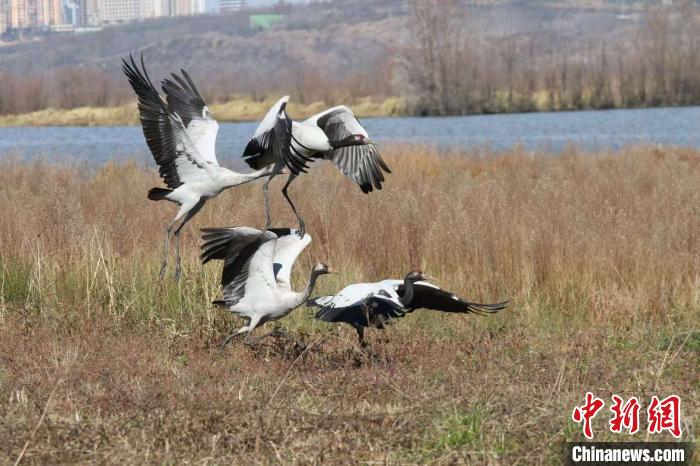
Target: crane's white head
{"points": [[322, 269]]}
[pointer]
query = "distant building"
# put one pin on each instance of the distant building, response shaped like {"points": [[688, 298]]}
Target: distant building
{"points": [[231, 6], [5, 16], [27, 14], [119, 11], [199, 7], [78, 15]]}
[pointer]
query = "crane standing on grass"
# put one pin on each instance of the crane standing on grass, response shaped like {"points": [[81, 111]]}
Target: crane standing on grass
{"points": [[334, 134], [181, 134]]}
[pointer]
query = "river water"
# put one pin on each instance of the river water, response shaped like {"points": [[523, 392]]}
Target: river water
{"points": [[548, 132]]}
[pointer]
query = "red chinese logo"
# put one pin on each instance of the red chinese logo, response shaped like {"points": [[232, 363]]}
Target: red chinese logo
{"points": [[665, 415], [662, 415], [624, 416], [587, 412]]}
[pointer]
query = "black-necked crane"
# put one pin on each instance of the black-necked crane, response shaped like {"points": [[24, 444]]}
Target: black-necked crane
{"points": [[334, 134], [256, 278], [181, 134], [373, 305]]}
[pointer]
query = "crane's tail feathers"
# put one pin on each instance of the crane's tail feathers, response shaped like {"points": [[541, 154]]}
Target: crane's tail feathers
{"points": [[258, 161], [158, 194], [484, 309], [326, 314]]}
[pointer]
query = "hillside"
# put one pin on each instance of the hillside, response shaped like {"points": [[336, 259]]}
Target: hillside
{"points": [[339, 36], [491, 57]]}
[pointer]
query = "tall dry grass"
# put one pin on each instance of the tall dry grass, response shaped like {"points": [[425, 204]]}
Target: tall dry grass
{"points": [[612, 236], [598, 253]]}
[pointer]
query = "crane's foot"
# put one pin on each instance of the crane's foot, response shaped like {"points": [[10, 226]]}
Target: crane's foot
{"points": [[227, 340], [300, 344], [278, 332], [163, 266], [178, 272], [368, 351]]}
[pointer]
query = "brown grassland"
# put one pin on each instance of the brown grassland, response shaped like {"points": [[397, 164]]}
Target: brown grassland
{"points": [[599, 254]]}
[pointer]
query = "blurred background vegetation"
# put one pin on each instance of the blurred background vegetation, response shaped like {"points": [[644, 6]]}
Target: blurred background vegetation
{"points": [[429, 57]]}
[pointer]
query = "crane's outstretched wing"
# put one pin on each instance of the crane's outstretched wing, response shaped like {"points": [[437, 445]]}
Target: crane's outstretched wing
{"points": [[369, 311], [185, 100], [429, 296], [258, 152], [243, 251], [362, 163], [166, 134], [363, 304], [287, 250], [272, 141], [226, 243]]}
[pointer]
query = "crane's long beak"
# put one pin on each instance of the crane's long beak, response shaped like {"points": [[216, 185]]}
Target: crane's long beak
{"points": [[429, 278], [333, 271], [371, 143]]}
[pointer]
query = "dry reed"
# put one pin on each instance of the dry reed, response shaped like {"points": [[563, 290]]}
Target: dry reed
{"points": [[599, 253]]}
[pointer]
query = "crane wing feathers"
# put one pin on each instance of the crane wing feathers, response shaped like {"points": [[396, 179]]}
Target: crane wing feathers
{"points": [[223, 243], [260, 277], [432, 297], [236, 272], [241, 248], [287, 250], [258, 152], [175, 147], [364, 304], [155, 121], [282, 146], [184, 99], [272, 142], [372, 311], [320, 301], [360, 163]]}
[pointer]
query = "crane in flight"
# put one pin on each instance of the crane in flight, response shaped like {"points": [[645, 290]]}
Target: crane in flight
{"points": [[181, 134], [335, 135]]}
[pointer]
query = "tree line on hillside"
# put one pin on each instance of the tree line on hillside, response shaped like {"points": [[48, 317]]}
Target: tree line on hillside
{"points": [[449, 72], [443, 69]]}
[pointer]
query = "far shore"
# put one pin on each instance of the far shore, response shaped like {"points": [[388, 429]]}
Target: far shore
{"points": [[241, 109], [244, 109]]}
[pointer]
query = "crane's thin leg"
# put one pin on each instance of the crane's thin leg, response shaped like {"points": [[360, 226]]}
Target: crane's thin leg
{"points": [[361, 336], [248, 341], [276, 332], [286, 195], [232, 336], [266, 189], [168, 232], [191, 213]]}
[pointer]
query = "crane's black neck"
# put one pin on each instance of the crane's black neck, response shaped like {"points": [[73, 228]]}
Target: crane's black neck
{"points": [[310, 287], [407, 292]]}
